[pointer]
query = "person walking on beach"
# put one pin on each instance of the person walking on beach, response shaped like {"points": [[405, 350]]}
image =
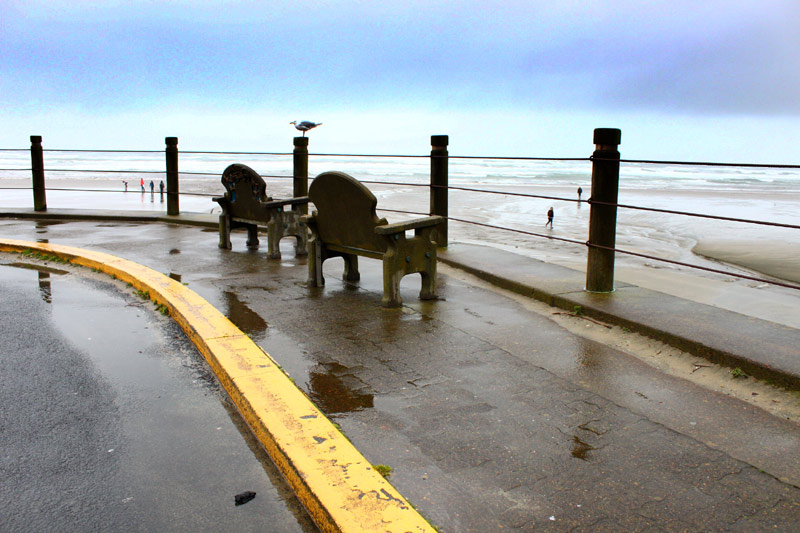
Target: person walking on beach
{"points": [[161, 187], [550, 215], [141, 182], [126, 185], [152, 187], [580, 191]]}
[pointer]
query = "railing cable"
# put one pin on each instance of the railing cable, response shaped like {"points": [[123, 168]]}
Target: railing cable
{"points": [[626, 252], [697, 163]]}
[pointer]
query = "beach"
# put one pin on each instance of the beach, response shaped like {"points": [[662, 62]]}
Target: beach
{"points": [[758, 251]]}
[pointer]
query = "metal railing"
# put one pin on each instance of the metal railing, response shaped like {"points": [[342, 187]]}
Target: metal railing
{"points": [[603, 199]]}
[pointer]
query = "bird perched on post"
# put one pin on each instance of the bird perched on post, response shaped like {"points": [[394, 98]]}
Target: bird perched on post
{"points": [[305, 126]]}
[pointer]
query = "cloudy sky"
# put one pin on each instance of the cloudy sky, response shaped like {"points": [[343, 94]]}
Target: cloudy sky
{"points": [[713, 80]]}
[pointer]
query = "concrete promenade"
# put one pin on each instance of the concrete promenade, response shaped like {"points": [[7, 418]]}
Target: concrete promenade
{"points": [[492, 415]]}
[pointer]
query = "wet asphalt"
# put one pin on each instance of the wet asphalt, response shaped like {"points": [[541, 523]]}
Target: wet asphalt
{"points": [[111, 421], [492, 416]]}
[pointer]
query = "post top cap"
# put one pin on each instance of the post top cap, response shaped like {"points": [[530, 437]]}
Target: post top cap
{"points": [[607, 136], [36, 138], [171, 140], [440, 140], [301, 141]]}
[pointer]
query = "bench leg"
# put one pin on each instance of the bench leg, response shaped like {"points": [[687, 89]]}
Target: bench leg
{"points": [[274, 234], [252, 236], [391, 285], [224, 232], [301, 246], [428, 290], [315, 278], [351, 272]]}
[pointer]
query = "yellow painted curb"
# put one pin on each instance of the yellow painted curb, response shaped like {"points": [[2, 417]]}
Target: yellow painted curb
{"points": [[338, 486]]}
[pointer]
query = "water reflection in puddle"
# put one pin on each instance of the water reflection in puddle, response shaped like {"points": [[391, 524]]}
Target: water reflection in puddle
{"points": [[243, 317], [43, 277]]}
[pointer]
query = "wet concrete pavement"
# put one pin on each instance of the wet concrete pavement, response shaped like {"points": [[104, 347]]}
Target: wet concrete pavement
{"points": [[491, 415], [111, 421]]}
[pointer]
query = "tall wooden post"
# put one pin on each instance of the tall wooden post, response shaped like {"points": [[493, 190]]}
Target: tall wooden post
{"points": [[173, 189], [300, 181], [603, 218], [37, 171], [439, 183]]}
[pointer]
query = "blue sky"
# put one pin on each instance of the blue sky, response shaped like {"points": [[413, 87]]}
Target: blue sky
{"points": [[714, 80]]}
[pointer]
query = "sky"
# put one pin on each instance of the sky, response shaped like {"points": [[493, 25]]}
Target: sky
{"points": [[683, 80]]}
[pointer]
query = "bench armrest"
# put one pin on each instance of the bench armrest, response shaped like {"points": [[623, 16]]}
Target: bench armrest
{"points": [[426, 222], [301, 200]]}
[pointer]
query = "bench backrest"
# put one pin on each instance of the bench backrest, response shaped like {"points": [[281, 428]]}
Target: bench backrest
{"points": [[346, 212], [246, 191]]}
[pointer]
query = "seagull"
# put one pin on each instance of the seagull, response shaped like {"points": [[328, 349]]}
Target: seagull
{"points": [[305, 125]]}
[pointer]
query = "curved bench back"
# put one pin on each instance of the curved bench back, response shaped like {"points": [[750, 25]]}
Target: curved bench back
{"points": [[246, 191], [346, 212]]}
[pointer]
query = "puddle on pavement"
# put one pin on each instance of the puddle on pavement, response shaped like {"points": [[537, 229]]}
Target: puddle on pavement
{"points": [[334, 388], [588, 354], [161, 388], [42, 224], [43, 277], [243, 317], [38, 268], [331, 388], [580, 449], [45, 290]]}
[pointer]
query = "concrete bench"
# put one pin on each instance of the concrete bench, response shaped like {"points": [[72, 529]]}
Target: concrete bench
{"points": [[344, 224], [246, 205]]}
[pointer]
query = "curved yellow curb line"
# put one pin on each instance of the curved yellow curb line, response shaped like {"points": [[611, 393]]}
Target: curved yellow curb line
{"points": [[338, 486]]}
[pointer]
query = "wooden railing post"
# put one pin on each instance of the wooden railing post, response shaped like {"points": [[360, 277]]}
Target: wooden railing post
{"points": [[37, 171], [603, 218], [173, 189], [439, 183], [300, 174]]}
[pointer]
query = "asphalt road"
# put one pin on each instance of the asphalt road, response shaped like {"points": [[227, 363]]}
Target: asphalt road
{"points": [[111, 421]]}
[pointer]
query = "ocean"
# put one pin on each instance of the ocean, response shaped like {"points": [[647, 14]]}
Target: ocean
{"points": [[399, 183]]}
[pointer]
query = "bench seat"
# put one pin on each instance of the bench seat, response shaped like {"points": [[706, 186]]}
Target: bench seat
{"points": [[345, 224]]}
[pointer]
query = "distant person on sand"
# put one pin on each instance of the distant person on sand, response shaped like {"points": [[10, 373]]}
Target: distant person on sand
{"points": [[126, 185], [152, 187], [580, 191], [161, 186], [550, 217], [141, 182]]}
